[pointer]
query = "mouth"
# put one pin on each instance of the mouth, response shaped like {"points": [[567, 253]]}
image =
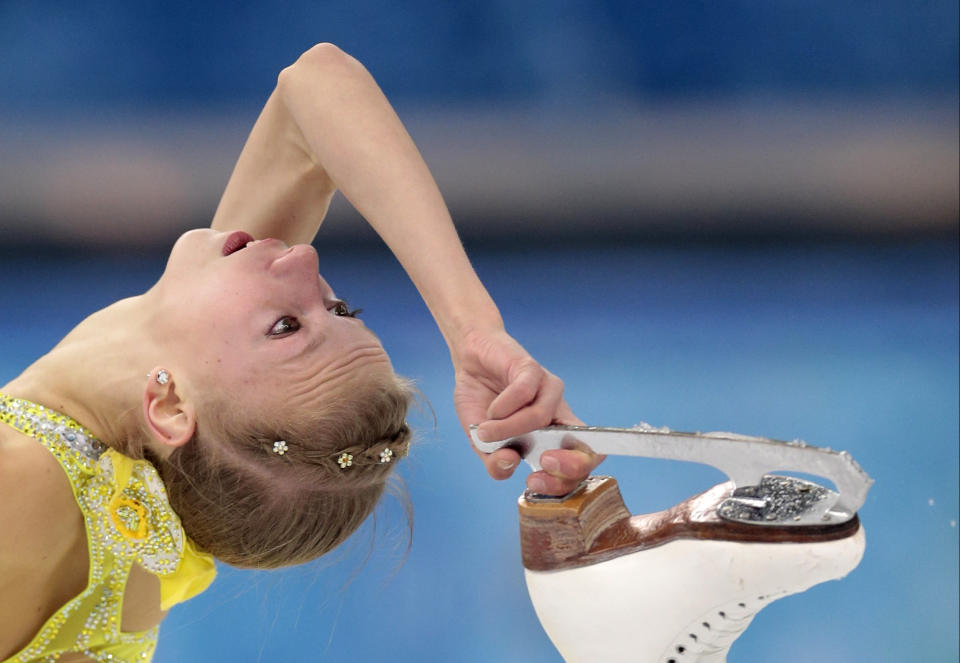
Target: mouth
{"points": [[236, 241]]}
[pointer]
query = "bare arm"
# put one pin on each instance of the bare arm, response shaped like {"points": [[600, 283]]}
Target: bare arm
{"points": [[328, 126], [375, 163], [276, 189]]}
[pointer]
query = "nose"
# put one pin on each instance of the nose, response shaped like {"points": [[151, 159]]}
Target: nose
{"points": [[299, 260]]}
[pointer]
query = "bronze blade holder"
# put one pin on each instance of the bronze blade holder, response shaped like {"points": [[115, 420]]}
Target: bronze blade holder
{"points": [[593, 525]]}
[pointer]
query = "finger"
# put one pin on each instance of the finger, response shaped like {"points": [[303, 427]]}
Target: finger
{"points": [[537, 414], [501, 463], [547, 484], [569, 463], [566, 416], [521, 391]]}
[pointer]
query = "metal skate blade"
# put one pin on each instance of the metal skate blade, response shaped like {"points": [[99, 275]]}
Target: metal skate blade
{"points": [[759, 497]]}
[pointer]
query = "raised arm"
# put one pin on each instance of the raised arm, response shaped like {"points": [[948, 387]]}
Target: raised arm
{"points": [[328, 126], [276, 189]]}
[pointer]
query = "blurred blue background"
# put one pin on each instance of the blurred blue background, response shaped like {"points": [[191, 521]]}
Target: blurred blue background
{"points": [[614, 118], [711, 216]]}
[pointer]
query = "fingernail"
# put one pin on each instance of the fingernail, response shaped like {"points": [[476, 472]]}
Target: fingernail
{"points": [[550, 464], [536, 485], [506, 464], [482, 435]]}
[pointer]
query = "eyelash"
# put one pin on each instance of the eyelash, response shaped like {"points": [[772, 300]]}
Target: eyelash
{"points": [[340, 308]]}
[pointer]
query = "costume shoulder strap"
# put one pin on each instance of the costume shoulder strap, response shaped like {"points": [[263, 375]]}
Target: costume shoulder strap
{"points": [[74, 447]]}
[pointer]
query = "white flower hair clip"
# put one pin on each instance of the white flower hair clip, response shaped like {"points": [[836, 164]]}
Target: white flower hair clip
{"points": [[386, 455], [345, 460], [280, 447]]}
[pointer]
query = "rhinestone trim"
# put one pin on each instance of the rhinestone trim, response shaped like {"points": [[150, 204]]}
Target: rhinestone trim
{"points": [[124, 525]]}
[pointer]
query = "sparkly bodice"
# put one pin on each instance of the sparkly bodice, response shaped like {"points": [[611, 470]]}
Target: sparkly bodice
{"points": [[128, 520]]}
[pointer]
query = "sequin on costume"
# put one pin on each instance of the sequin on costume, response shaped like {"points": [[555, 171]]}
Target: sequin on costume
{"points": [[128, 520]]}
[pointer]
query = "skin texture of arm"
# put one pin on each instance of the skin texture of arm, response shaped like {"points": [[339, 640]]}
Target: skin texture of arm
{"points": [[328, 126]]}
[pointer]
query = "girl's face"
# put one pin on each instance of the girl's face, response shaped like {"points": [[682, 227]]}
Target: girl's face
{"points": [[255, 320]]}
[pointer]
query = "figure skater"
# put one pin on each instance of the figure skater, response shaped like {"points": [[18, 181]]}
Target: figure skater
{"points": [[238, 409]]}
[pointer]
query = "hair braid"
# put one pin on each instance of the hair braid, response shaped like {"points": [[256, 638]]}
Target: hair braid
{"points": [[242, 500]]}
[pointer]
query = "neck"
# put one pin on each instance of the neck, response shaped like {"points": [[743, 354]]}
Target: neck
{"points": [[96, 374]]}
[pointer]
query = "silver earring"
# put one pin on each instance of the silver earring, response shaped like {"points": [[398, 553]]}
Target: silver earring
{"points": [[163, 377]]}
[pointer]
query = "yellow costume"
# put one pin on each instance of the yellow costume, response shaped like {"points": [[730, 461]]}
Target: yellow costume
{"points": [[128, 520]]}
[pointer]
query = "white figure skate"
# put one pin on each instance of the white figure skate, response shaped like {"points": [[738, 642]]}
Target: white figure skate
{"points": [[681, 585]]}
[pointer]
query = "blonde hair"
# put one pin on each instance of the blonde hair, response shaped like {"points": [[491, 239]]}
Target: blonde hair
{"points": [[251, 507]]}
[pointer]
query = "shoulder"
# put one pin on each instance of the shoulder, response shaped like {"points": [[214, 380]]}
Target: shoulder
{"points": [[38, 512]]}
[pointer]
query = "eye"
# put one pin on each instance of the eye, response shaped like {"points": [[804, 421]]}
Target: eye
{"points": [[340, 308], [285, 325]]}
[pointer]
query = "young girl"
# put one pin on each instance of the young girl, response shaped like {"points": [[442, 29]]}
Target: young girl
{"points": [[238, 409]]}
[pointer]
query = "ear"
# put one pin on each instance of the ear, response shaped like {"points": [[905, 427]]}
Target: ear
{"points": [[171, 419]]}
